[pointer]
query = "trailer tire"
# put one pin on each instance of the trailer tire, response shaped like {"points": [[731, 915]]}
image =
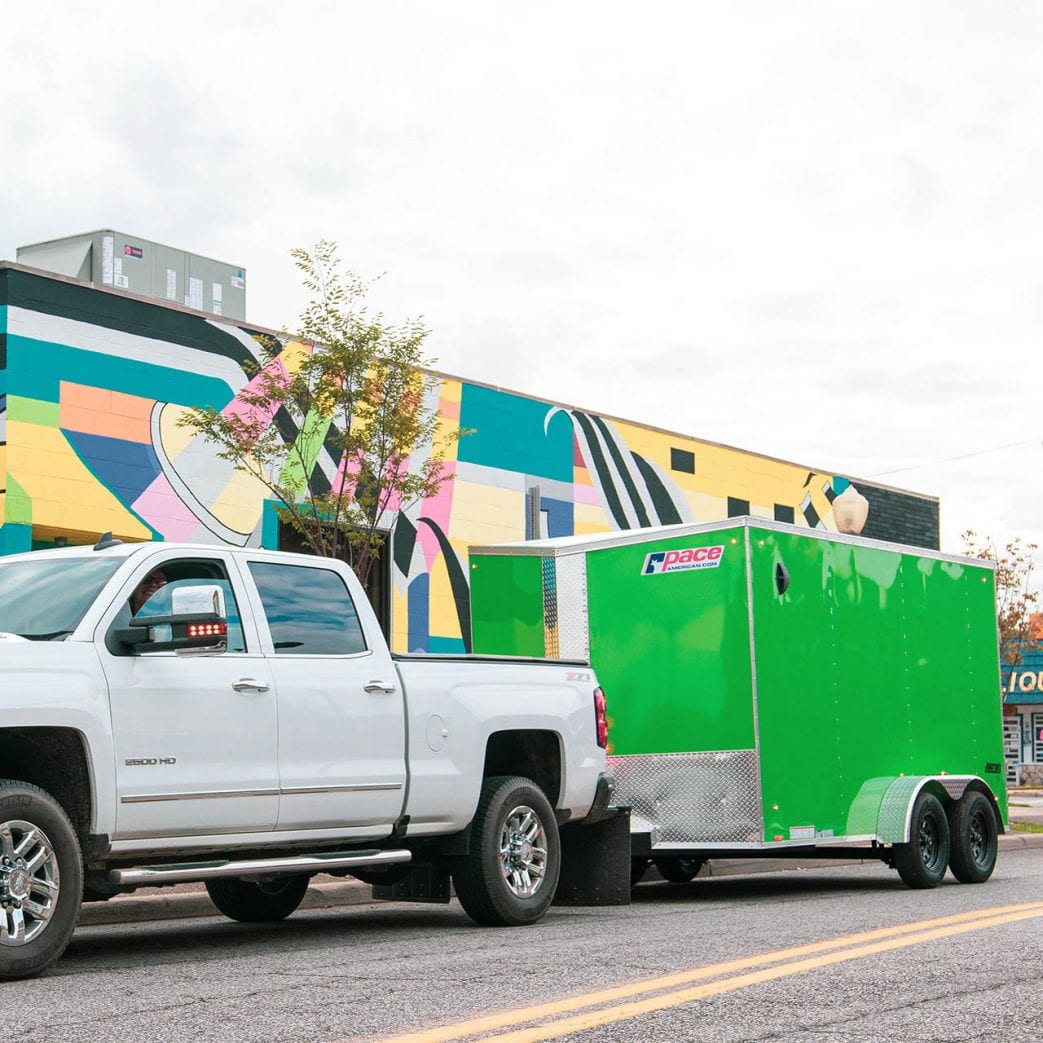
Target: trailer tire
{"points": [[679, 870], [251, 902], [511, 873], [973, 838], [921, 862], [638, 868], [41, 880]]}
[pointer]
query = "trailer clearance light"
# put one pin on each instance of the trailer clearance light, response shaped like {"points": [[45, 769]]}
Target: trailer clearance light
{"points": [[207, 629], [601, 717]]}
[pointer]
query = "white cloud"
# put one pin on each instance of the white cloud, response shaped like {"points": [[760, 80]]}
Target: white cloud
{"points": [[814, 231]]}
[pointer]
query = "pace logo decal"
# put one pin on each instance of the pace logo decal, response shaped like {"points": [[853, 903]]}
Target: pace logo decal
{"points": [[682, 560]]}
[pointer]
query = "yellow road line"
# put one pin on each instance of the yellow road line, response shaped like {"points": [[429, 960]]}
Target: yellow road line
{"points": [[625, 1011], [892, 937]]}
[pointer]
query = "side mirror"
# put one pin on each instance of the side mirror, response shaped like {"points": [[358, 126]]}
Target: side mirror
{"points": [[197, 623], [194, 601]]}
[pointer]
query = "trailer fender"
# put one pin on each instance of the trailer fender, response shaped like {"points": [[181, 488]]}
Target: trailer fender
{"points": [[896, 808]]}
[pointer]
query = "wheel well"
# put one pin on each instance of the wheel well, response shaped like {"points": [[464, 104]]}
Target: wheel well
{"points": [[534, 754], [55, 760]]}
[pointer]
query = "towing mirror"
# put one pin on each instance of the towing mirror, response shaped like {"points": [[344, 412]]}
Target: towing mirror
{"points": [[197, 623]]}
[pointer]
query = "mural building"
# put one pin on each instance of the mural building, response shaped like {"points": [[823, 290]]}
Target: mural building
{"points": [[93, 382]]}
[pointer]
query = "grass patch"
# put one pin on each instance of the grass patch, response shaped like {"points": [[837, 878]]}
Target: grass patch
{"points": [[1027, 827]]}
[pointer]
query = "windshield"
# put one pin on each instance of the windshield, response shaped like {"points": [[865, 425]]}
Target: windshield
{"points": [[44, 600]]}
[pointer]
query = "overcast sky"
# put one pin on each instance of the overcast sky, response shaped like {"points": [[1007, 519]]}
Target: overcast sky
{"points": [[811, 230]]}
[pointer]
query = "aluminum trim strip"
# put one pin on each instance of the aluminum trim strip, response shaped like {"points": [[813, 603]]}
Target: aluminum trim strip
{"points": [[144, 798], [758, 776], [296, 790], [767, 845], [583, 544]]}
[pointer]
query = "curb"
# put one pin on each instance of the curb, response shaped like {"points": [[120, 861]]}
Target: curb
{"points": [[191, 900]]}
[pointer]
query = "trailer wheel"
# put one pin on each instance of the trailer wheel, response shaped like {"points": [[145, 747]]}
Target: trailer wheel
{"points": [[267, 902], [679, 870], [41, 880], [510, 876], [974, 837], [921, 862], [638, 868]]}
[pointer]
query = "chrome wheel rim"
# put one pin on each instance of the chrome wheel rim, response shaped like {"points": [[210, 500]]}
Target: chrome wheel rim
{"points": [[29, 882], [523, 852]]}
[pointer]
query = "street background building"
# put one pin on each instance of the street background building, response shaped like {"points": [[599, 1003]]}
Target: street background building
{"points": [[94, 379]]}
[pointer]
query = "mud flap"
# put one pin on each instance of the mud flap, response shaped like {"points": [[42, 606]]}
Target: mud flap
{"points": [[423, 883], [595, 862]]}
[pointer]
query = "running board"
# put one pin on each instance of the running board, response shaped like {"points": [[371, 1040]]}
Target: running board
{"points": [[187, 872]]}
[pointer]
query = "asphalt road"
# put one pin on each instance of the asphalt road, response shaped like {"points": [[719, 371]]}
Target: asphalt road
{"points": [[377, 971]]}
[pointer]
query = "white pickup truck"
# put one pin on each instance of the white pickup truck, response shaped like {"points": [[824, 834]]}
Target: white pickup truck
{"points": [[247, 726]]}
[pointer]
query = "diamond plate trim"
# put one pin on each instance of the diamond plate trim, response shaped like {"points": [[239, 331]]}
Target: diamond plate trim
{"points": [[892, 823], [550, 609], [692, 797], [574, 623], [897, 806]]}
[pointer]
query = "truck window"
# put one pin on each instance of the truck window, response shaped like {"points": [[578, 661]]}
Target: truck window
{"points": [[44, 599], [309, 611]]}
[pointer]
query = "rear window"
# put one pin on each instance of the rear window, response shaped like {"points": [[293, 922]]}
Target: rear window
{"points": [[309, 611]]}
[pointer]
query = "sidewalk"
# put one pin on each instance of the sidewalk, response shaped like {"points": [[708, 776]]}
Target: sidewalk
{"points": [[326, 892]]}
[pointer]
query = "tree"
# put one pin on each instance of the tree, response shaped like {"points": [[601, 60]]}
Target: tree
{"points": [[1015, 600], [353, 386]]}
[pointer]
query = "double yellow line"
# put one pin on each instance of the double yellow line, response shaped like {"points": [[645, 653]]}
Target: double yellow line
{"points": [[549, 1020]]}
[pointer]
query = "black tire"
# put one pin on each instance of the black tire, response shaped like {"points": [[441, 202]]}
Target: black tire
{"points": [[922, 861], [638, 868], [679, 870], [41, 880], [973, 838], [258, 903], [511, 873]]}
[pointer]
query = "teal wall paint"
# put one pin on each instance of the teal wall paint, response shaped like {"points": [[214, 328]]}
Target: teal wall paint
{"points": [[509, 434]]}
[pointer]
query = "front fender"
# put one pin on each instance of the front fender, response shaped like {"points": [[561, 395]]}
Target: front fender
{"points": [[61, 685]]}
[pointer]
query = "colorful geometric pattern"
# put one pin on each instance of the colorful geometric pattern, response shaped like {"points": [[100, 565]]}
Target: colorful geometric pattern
{"points": [[92, 385]]}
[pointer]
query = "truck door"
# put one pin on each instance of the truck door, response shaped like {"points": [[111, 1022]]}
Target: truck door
{"points": [[341, 708], [194, 735]]}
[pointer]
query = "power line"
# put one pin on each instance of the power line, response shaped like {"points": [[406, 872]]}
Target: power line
{"points": [[953, 459]]}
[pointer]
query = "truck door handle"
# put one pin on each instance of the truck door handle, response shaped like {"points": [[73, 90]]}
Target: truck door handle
{"points": [[248, 684], [378, 686]]}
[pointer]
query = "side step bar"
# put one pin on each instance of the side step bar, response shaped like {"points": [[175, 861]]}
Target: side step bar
{"points": [[186, 872]]}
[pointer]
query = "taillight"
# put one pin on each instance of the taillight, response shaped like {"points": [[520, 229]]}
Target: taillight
{"points": [[601, 718]]}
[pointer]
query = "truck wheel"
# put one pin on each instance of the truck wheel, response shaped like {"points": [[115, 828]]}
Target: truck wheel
{"points": [[511, 873], [638, 868], [258, 903], [679, 870], [974, 837], [921, 862], [41, 880]]}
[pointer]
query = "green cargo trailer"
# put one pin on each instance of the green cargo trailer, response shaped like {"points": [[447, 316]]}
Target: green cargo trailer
{"points": [[774, 690]]}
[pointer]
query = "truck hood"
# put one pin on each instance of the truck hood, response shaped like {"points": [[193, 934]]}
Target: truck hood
{"points": [[46, 676]]}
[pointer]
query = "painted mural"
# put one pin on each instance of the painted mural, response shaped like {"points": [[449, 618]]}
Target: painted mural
{"points": [[92, 384]]}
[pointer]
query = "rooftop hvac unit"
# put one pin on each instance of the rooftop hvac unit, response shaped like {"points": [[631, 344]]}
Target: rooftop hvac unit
{"points": [[108, 258]]}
